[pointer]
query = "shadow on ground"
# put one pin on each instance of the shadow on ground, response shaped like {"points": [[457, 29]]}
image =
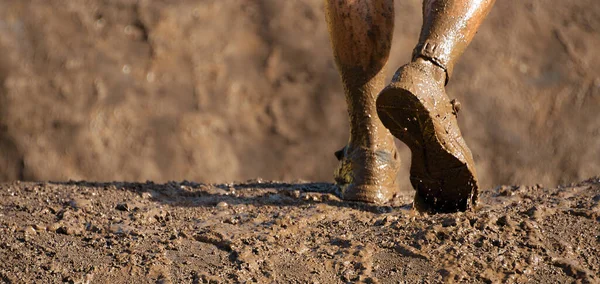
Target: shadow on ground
{"points": [[255, 192]]}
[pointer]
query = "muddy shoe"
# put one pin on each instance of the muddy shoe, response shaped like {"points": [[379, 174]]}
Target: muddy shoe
{"points": [[416, 109], [367, 175]]}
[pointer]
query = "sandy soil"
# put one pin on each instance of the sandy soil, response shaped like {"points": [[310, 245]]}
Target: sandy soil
{"points": [[221, 91], [291, 232]]}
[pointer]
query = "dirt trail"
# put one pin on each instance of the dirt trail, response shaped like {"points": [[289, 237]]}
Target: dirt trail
{"points": [[268, 231], [218, 90]]}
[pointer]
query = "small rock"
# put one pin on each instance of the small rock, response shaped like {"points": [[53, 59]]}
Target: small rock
{"points": [[183, 234], [93, 228], [66, 214], [505, 221], [122, 207], [39, 227], [330, 197], [505, 190], [315, 197], [292, 193], [29, 230], [53, 227], [137, 233], [534, 213], [118, 229], [54, 209], [449, 222], [164, 280], [69, 230], [62, 230], [301, 249], [386, 221], [222, 205], [410, 251], [80, 203], [539, 212], [153, 215]]}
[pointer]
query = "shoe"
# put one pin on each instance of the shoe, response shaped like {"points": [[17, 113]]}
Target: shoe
{"points": [[416, 110], [367, 175]]}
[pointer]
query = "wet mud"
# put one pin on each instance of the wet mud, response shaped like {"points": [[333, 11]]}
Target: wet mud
{"points": [[361, 37], [417, 111], [448, 28], [413, 107], [259, 231]]}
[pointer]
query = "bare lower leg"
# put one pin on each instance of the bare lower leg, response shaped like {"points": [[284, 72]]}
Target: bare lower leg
{"points": [[448, 28], [361, 34], [417, 110]]}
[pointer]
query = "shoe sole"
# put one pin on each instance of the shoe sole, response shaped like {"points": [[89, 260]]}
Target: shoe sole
{"points": [[440, 173], [374, 194], [371, 181]]}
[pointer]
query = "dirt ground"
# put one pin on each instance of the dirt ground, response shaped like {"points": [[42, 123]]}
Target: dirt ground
{"points": [[269, 232], [215, 91], [228, 90]]}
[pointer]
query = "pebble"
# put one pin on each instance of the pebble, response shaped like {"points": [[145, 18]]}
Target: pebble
{"points": [[53, 227], [69, 230], [449, 222], [386, 221], [293, 193], [80, 203], [29, 230], [118, 229], [122, 207], [39, 227]]}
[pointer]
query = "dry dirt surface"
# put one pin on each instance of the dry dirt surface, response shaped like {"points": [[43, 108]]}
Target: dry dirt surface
{"points": [[214, 91], [270, 232]]}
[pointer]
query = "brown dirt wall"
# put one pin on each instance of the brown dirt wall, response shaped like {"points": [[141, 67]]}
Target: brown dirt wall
{"points": [[222, 90]]}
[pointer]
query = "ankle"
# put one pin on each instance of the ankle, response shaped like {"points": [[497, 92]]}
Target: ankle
{"points": [[371, 135], [438, 72]]}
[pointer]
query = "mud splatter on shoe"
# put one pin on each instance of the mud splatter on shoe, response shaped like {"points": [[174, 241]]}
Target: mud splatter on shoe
{"points": [[367, 175], [416, 109]]}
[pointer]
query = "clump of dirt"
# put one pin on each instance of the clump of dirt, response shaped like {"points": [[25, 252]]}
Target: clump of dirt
{"points": [[262, 231], [219, 90]]}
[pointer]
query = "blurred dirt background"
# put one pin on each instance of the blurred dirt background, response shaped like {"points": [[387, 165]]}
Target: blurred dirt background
{"points": [[223, 90]]}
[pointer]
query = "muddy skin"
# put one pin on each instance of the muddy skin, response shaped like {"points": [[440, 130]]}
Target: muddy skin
{"points": [[361, 35], [417, 110], [448, 28]]}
